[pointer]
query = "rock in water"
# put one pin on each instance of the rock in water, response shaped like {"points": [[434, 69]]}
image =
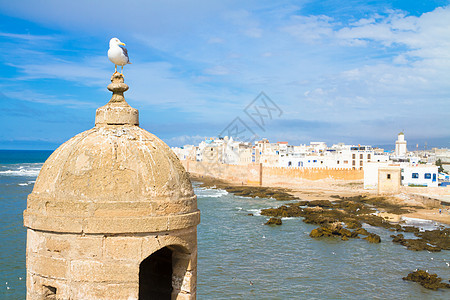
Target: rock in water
{"points": [[429, 281], [274, 221], [373, 238]]}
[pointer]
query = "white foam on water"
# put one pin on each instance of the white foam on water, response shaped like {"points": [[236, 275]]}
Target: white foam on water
{"points": [[25, 170], [255, 212], [27, 183], [421, 223], [210, 193]]}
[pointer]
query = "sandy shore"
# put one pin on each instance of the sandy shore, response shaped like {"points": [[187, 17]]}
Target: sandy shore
{"points": [[329, 190]]}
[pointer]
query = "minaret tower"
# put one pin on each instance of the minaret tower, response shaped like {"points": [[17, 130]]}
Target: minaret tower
{"points": [[400, 145], [112, 215]]}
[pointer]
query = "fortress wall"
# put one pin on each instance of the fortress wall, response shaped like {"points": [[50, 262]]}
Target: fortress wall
{"points": [[257, 174]]}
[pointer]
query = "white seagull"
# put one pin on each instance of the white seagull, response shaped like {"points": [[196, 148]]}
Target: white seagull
{"points": [[118, 55]]}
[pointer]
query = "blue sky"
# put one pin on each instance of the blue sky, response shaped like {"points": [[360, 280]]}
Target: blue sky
{"points": [[341, 71]]}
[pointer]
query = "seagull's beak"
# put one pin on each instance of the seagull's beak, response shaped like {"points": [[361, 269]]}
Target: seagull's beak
{"points": [[123, 44]]}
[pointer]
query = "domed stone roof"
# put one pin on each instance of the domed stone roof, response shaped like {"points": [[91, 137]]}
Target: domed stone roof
{"points": [[115, 177]]}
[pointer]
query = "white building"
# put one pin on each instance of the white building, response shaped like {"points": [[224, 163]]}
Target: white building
{"points": [[411, 174], [185, 152], [400, 145], [338, 156], [420, 175]]}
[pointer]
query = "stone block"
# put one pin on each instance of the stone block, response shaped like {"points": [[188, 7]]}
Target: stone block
{"points": [[35, 241], [51, 267], [108, 271], [150, 244], [189, 282], [183, 296], [50, 223], [105, 291], [87, 247], [56, 245], [125, 225], [123, 248]]}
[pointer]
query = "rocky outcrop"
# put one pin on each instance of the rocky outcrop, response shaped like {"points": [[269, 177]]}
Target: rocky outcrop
{"points": [[334, 229], [429, 281], [431, 240], [274, 221], [373, 238]]}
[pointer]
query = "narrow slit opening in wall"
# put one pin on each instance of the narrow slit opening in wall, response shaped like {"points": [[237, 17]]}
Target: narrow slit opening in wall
{"points": [[49, 292]]}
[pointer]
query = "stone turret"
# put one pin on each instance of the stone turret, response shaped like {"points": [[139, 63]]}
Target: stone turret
{"points": [[112, 215]]}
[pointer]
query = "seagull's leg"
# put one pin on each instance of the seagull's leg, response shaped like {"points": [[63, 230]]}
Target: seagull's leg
{"points": [[115, 69], [122, 71]]}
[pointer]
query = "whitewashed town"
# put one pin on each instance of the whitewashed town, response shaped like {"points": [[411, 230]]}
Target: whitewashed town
{"points": [[428, 168]]}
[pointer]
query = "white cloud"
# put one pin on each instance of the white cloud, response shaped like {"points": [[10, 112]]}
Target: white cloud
{"points": [[27, 37], [32, 96], [211, 59], [310, 29], [185, 140]]}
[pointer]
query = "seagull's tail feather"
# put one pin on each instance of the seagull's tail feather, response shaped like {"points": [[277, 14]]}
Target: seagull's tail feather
{"points": [[129, 63]]}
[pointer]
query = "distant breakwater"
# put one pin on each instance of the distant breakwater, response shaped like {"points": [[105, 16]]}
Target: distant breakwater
{"points": [[258, 174]]}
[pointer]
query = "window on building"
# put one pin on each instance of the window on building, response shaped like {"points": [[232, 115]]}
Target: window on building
{"points": [[345, 161], [353, 163], [427, 175], [289, 163], [321, 162], [361, 156], [388, 176], [415, 175], [337, 162], [315, 160], [368, 156], [361, 163], [353, 156]]}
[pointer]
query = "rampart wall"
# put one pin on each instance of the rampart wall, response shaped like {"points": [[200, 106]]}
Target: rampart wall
{"points": [[258, 174]]}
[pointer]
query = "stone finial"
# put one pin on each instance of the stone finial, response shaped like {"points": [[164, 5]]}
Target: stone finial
{"points": [[118, 87], [117, 111]]}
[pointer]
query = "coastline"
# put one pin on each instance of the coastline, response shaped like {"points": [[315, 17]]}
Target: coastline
{"points": [[333, 190]]}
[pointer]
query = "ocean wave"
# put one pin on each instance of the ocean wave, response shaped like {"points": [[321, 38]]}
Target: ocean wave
{"points": [[255, 212], [26, 183], [210, 193], [421, 223], [25, 170]]}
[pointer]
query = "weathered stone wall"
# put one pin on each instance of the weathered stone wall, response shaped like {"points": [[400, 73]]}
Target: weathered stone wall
{"points": [[389, 180], [99, 266], [257, 174], [112, 215]]}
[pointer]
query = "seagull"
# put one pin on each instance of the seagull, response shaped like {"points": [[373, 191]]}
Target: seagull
{"points": [[118, 55]]}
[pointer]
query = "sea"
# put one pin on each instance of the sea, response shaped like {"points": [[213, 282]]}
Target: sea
{"points": [[241, 258]]}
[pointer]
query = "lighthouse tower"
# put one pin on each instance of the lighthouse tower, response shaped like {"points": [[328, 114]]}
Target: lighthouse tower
{"points": [[112, 215], [400, 145]]}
